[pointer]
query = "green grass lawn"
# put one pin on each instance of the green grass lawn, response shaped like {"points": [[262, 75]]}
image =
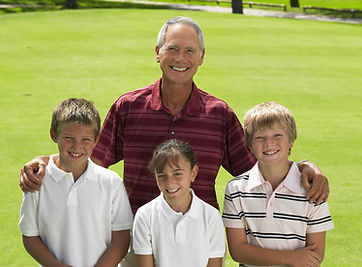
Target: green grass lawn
{"points": [[314, 68], [44, 5]]}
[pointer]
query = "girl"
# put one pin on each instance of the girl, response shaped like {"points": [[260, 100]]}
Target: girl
{"points": [[177, 228]]}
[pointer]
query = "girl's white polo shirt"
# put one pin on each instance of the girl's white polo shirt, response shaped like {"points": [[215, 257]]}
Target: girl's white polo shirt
{"points": [[75, 220], [177, 239]]}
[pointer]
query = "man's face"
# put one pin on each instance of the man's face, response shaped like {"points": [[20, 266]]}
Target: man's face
{"points": [[180, 55]]}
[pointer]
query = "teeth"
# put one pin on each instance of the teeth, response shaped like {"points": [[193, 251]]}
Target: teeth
{"points": [[178, 69], [172, 190], [270, 152], [75, 155]]}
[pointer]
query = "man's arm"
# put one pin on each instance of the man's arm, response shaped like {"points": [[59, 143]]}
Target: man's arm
{"points": [[37, 249], [117, 250], [314, 181], [243, 252], [32, 174], [144, 260]]}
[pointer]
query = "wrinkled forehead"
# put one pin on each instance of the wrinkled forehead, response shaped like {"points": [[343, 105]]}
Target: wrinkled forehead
{"points": [[182, 35]]}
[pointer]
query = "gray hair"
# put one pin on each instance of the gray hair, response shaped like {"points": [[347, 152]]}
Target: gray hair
{"points": [[185, 21]]}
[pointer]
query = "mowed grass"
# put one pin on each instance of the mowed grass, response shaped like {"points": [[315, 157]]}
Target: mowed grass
{"points": [[314, 68]]}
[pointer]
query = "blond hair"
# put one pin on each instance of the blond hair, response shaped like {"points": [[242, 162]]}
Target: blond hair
{"points": [[265, 115]]}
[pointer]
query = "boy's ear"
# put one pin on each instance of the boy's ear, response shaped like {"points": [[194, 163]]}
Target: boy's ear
{"points": [[53, 136]]}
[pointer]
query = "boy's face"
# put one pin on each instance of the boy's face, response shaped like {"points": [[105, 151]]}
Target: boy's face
{"points": [[271, 145], [175, 180], [75, 144]]}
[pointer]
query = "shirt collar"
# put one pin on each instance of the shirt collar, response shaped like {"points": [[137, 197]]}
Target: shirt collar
{"points": [[290, 181], [170, 213], [256, 178], [58, 174], [193, 106]]}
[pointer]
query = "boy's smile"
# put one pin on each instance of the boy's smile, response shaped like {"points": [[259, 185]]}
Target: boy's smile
{"points": [[270, 144], [75, 144]]}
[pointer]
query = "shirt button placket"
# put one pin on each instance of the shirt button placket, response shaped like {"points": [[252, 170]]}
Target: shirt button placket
{"points": [[171, 130]]}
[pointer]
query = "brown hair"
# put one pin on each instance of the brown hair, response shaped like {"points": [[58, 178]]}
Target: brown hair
{"points": [[75, 110], [170, 151]]}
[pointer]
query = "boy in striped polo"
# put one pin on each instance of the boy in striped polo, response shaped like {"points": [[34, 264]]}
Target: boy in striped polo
{"points": [[267, 216]]}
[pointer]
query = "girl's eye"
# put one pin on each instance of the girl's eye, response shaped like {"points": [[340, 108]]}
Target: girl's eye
{"points": [[161, 176]]}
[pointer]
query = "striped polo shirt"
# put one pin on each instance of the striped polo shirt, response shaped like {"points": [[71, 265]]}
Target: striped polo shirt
{"points": [[278, 219], [138, 121]]}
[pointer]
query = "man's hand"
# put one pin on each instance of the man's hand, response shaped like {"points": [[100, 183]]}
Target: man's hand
{"points": [[32, 173], [314, 181]]}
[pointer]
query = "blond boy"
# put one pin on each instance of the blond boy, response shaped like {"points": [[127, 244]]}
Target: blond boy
{"points": [[266, 213]]}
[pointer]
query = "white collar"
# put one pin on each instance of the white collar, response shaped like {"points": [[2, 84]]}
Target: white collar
{"points": [[256, 178], [58, 174]]}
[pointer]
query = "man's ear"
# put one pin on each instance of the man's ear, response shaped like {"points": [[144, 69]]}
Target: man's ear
{"points": [[157, 50], [53, 136], [202, 57]]}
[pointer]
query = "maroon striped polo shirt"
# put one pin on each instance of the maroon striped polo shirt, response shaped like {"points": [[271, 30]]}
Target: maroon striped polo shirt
{"points": [[138, 121]]}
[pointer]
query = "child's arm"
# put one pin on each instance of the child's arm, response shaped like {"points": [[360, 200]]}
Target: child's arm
{"points": [[318, 240], [243, 252], [37, 249], [144, 260], [117, 250], [214, 262]]}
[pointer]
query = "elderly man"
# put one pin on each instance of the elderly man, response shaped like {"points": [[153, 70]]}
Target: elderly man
{"points": [[174, 107]]}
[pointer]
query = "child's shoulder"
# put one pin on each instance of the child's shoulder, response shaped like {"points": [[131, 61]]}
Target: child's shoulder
{"points": [[241, 179], [202, 206], [103, 174]]}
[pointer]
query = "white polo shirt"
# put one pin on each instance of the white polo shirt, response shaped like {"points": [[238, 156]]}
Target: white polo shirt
{"points": [[177, 239], [278, 219], [75, 220]]}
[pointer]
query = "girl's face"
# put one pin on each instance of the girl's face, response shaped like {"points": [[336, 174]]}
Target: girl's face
{"points": [[174, 182]]}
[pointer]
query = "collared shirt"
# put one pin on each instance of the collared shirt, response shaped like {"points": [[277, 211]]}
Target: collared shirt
{"points": [[177, 239], [278, 219], [138, 121], [75, 220]]}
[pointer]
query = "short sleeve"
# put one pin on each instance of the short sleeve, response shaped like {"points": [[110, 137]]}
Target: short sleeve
{"points": [[237, 159], [216, 237], [319, 218], [232, 211], [142, 241], [122, 216], [28, 223], [109, 148]]}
